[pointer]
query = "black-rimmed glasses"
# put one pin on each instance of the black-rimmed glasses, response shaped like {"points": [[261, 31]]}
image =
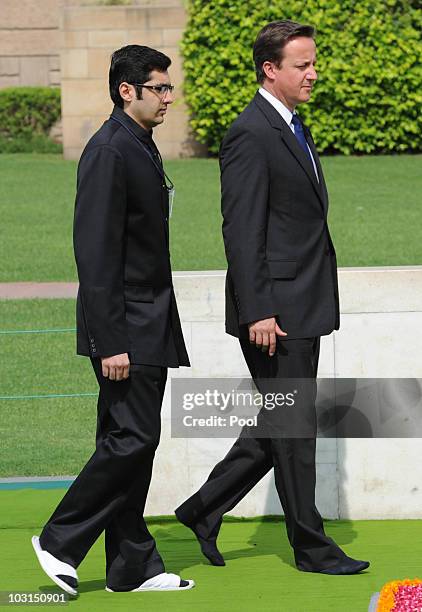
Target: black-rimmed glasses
{"points": [[162, 89]]}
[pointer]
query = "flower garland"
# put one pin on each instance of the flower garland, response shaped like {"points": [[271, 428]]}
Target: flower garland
{"points": [[401, 596]]}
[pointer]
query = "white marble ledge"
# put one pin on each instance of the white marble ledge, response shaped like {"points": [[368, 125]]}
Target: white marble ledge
{"points": [[383, 289]]}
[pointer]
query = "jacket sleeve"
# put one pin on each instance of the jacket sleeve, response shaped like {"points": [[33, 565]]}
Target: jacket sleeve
{"points": [[99, 243], [244, 192]]}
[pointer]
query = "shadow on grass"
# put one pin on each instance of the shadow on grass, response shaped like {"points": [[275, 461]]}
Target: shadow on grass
{"points": [[239, 539], [85, 586], [180, 550]]}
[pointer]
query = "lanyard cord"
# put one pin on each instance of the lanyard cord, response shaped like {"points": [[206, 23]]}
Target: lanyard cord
{"points": [[146, 150]]}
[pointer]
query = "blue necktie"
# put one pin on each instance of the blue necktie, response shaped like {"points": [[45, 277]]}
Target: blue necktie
{"points": [[301, 136]]}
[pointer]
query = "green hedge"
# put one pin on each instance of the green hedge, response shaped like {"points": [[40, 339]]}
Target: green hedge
{"points": [[26, 116], [33, 144], [368, 95]]}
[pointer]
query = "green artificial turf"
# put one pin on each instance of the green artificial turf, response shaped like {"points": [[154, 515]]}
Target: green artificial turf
{"points": [[259, 575], [375, 213]]}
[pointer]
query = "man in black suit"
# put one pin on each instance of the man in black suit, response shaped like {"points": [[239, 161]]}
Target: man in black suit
{"points": [[128, 324], [281, 294]]}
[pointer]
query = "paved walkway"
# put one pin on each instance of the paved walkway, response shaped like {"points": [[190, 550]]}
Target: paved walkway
{"points": [[25, 291]]}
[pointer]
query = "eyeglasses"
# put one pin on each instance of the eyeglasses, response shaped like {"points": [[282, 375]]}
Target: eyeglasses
{"points": [[162, 89]]}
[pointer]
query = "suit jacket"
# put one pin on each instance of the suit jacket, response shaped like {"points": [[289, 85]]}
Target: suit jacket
{"points": [[126, 302], [281, 260]]}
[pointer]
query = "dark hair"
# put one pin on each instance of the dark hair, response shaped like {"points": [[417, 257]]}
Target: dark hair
{"points": [[134, 64], [269, 43]]}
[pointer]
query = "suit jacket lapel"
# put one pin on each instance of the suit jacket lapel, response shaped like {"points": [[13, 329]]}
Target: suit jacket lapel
{"points": [[278, 123], [154, 155]]}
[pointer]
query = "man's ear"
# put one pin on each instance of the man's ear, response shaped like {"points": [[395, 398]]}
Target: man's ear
{"points": [[269, 70], [127, 92]]}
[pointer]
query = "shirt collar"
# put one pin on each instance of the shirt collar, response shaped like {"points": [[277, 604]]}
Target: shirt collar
{"points": [[139, 131], [279, 106]]}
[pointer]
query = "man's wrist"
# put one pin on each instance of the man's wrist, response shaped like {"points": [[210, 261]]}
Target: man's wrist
{"points": [[272, 316]]}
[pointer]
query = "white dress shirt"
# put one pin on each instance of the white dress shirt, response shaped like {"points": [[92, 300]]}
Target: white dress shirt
{"points": [[287, 116]]}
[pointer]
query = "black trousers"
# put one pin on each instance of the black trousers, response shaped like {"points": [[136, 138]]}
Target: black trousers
{"points": [[293, 460], [110, 492]]}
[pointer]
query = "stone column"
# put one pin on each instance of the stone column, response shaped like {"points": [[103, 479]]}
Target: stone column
{"points": [[89, 35]]}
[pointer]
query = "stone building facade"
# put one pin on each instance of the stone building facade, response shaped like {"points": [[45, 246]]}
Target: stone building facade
{"points": [[29, 43], [68, 43]]}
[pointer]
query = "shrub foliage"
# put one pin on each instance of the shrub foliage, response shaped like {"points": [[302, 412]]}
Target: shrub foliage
{"points": [[28, 112], [367, 98]]}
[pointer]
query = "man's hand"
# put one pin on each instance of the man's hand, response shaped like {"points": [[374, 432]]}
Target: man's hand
{"points": [[264, 334], [116, 367]]}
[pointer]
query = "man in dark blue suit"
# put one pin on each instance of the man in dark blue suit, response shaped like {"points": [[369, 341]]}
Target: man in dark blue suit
{"points": [[281, 293]]}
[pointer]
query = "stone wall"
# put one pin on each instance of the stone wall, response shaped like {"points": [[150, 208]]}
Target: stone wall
{"points": [[69, 43], [380, 336], [89, 35], [29, 43]]}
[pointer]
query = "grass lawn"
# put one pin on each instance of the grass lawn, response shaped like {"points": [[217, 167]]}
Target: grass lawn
{"points": [[33, 439], [375, 214], [259, 575]]}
